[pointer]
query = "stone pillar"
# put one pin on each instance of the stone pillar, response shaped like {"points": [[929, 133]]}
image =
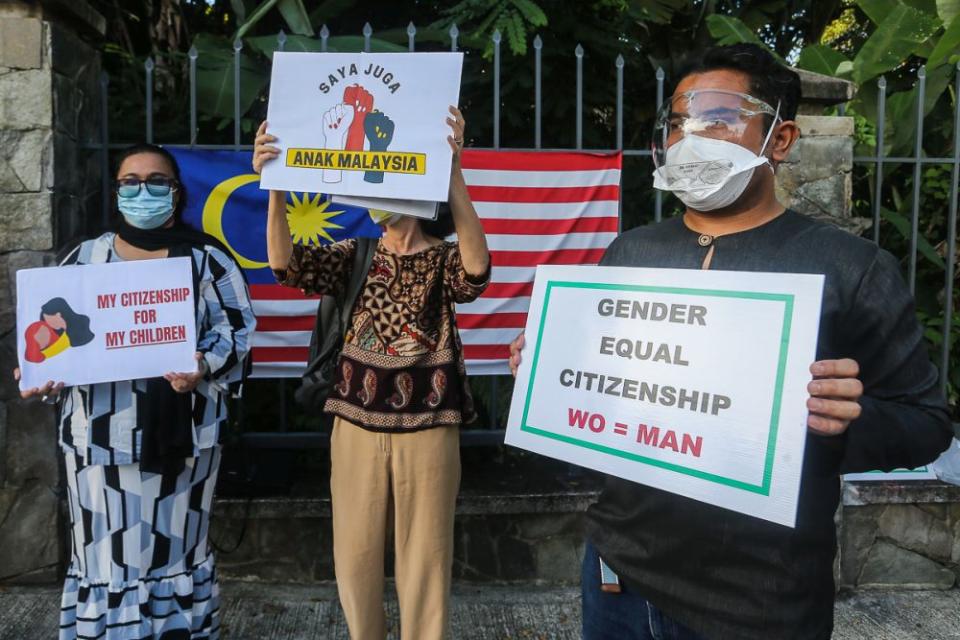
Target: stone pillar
{"points": [[816, 177], [49, 194]]}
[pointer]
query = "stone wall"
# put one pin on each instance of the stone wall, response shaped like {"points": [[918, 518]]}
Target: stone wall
{"points": [[48, 192], [502, 538], [816, 178], [904, 536]]}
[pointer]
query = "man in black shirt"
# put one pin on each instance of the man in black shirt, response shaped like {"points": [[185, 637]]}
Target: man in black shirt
{"points": [[690, 570]]}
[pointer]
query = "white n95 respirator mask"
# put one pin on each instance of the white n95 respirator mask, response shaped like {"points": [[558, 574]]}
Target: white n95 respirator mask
{"points": [[706, 168]]}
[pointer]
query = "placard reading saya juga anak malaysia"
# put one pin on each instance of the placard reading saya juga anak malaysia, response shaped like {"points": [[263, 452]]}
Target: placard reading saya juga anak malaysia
{"points": [[104, 322], [363, 124], [694, 382]]}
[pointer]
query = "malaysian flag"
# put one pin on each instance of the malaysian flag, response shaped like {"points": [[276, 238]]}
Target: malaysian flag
{"points": [[536, 208]]}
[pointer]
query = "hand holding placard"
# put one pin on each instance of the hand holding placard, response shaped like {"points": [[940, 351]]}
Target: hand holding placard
{"points": [[834, 396]]}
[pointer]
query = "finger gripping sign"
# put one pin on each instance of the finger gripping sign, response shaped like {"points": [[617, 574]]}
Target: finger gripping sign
{"points": [[85, 324], [362, 124], [694, 382]]}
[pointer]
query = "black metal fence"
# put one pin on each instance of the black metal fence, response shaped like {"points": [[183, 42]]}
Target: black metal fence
{"points": [[497, 388]]}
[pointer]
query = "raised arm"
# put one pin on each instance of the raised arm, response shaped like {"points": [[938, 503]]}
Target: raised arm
{"points": [[279, 244], [314, 270], [473, 242]]}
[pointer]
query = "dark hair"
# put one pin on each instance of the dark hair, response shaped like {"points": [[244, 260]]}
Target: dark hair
{"points": [[441, 227], [146, 147], [770, 80], [78, 325]]}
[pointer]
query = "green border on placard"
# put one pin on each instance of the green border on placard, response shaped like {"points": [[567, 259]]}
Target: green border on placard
{"points": [[786, 299]]}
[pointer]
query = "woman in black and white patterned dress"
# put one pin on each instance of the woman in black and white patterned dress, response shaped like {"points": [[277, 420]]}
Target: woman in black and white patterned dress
{"points": [[142, 456]]}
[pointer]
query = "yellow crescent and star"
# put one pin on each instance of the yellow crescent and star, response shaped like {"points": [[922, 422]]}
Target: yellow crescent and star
{"points": [[309, 217]]}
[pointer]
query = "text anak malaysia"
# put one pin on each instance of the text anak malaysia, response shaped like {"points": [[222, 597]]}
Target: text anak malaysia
{"points": [[643, 391], [145, 335]]}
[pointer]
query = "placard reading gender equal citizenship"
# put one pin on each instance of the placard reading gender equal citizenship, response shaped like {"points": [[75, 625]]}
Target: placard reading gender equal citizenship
{"points": [[693, 382], [363, 124], [85, 324]]}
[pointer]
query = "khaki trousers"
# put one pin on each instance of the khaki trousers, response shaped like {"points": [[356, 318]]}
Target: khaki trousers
{"points": [[412, 478]]}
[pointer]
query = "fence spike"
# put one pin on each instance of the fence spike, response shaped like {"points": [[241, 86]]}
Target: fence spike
{"points": [[496, 36], [324, 36], [193, 54], [281, 40], [537, 97], [579, 131], [454, 34]]}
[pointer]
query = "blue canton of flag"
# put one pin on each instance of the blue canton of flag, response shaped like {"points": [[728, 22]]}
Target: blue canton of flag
{"points": [[224, 199]]}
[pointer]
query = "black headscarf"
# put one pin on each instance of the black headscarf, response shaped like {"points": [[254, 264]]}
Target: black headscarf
{"points": [[164, 416]]}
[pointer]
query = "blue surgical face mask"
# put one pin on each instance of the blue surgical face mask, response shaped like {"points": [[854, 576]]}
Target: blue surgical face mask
{"points": [[146, 211]]}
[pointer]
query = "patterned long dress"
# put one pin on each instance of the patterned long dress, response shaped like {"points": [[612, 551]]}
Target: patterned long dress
{"points": [[141, 564]]}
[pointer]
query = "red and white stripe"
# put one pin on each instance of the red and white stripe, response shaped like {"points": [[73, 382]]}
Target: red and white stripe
{"points": [[536, 208]]}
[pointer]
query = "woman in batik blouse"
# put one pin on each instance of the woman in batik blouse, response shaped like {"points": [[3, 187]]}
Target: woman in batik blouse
{"points": [[400, 394], [142, 456]]}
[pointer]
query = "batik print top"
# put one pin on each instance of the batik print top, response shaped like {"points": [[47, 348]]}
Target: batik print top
{"points": [[402, 367], [99, 422]]}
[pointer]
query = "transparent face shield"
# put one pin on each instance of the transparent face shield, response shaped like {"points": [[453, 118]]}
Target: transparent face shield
{"points": [[711, 113]]}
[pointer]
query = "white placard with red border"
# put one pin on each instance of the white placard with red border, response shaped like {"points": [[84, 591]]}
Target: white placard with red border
{"points": [[85, 324]]}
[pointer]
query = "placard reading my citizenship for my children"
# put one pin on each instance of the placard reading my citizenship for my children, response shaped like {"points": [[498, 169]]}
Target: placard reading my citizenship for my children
{"points": [[363, 124], [694, 382], [85, 324]]}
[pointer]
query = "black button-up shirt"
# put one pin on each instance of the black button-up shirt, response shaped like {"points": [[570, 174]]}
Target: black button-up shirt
{"points": [[729, 575]]}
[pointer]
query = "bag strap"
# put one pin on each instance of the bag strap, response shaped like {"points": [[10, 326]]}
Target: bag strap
{"points": [[362, 259]]}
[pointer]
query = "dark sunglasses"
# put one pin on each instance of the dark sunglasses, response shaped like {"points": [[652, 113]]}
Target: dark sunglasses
{"points": [[156, 186]]}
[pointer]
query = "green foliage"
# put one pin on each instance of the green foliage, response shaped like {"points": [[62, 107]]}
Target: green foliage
{"points": [[728, 30], [947, 48], [655, 11], [515, 20], [215, 77], [821, 59], [901, 124], [901, 223], [896, 38], [292, 11], [948, 10]]}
